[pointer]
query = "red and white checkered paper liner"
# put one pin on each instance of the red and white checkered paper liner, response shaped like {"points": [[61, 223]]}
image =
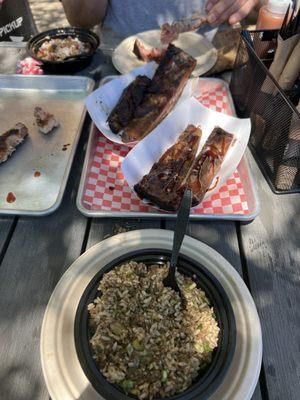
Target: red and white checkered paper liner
{"points": [[107, 190]]}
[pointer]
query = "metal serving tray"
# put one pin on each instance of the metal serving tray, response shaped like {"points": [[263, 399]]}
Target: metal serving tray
{"points": [[37, 172], [244, 173], [243, 170]]}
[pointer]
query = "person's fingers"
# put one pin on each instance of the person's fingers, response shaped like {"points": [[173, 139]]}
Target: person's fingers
{"points": [[223, 10], [242, 12], [235, 7], [210, 4]]}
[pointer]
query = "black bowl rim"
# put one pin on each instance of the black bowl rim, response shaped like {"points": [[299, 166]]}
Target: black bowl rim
{"points": [[72, 31], [93, 374]]}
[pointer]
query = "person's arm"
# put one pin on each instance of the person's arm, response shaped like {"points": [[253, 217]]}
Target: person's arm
{"points": [[85, 13]]}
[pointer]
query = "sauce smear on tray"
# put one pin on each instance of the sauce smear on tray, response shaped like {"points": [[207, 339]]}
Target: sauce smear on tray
{"points": [[10, 198]]}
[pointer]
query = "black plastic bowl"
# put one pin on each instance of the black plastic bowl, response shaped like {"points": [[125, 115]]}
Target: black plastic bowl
{"points": [[69, 65], [209, 379]]}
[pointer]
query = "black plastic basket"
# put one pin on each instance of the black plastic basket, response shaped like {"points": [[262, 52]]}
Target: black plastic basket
{"points": [[275, 135]]}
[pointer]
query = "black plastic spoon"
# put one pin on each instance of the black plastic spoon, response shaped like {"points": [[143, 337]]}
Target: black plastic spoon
{"points": [[180, 230]]}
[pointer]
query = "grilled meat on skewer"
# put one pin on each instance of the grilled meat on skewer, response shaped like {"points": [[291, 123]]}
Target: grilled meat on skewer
{"points": [[11, 139], [170, 32]]}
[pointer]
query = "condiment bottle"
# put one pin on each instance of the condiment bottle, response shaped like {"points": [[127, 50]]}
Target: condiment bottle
{"points": [[272, 14]]}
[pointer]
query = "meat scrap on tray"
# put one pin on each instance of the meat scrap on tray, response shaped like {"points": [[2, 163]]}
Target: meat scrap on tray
{"points": [[11, 139], [45, 121], [179, 168], [143, 105]]}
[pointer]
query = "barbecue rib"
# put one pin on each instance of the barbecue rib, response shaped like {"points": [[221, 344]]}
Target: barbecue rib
{"points": [[147, 54], [45, 121], [162, 94], [165, 178], [131, 97], [208, 163], [177, 169], [170, 32], [11, 139]]}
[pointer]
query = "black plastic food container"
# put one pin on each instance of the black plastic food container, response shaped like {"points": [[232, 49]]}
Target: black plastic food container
{"points": [[69, 65], [209, 379]]}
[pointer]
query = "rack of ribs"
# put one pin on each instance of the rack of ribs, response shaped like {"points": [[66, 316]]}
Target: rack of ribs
{"points": [[179, 168], [162, 183], [208, 163], [162, 94], [131, 97]]}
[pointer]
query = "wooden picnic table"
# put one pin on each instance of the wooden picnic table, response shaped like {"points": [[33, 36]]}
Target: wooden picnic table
{"points": [[35, 252]]}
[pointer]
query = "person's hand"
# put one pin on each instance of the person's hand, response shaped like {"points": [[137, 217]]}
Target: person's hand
{"points": [[233, 11]]}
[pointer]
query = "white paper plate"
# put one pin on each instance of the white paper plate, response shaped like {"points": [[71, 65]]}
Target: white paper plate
{"points": [[141, 159], [196, 45], [101, 102], [62, 371]]}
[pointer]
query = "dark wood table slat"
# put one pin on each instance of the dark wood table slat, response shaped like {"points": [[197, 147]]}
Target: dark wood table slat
{"points": [[271, 246], [102, 229], [220, 235], [7, 226], [39, 252]]}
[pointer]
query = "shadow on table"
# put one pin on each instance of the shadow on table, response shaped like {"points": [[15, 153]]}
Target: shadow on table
{"points": [[14, 383]]}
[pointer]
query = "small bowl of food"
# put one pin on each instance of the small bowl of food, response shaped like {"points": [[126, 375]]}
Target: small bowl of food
{"points": [[136, 338], [63, 50]]}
